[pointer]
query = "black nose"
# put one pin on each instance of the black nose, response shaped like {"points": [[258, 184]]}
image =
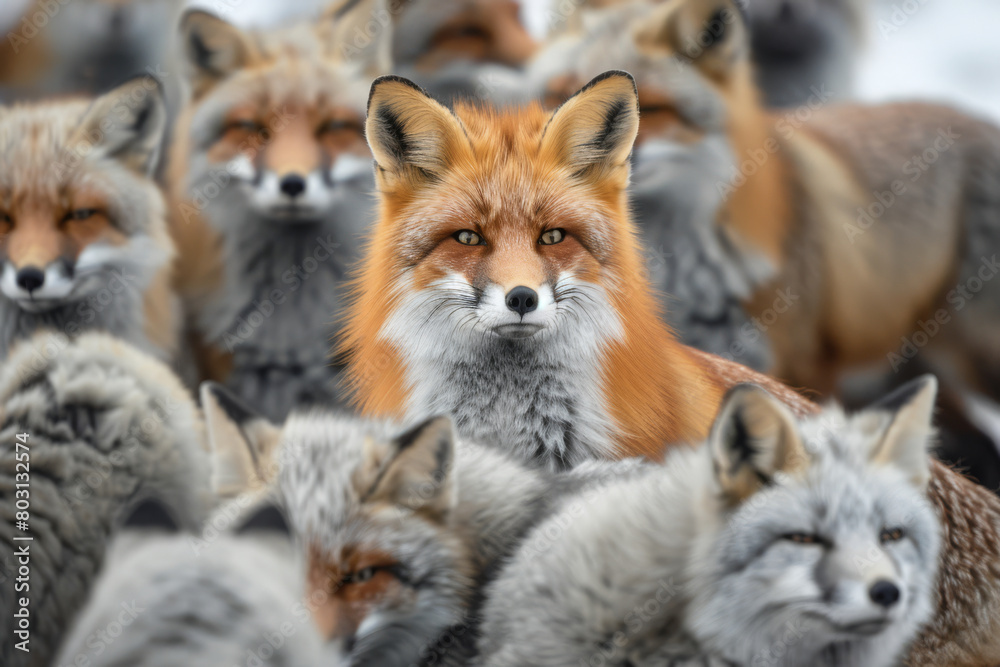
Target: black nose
{"points": [[30, 278], [522, 300], [293, 185], [884, 593]]}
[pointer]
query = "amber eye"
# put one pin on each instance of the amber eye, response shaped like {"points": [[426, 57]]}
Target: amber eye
{"points": [[6, 222], [552, 237], [469, 237], [801, 538], [81, 214], [891, 535]]}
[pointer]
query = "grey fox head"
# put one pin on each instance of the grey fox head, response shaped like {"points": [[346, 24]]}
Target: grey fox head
{"points": [[829, 547], [387, 572], [276, 127]]}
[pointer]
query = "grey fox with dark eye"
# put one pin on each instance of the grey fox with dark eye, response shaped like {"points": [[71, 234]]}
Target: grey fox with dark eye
{"points": [[780, 541]]}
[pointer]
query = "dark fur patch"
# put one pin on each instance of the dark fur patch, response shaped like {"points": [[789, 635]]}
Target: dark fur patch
{"points": [[201, 54], [392, 134], [266, 519], [235, 409], [151, 513], [614, 125]]}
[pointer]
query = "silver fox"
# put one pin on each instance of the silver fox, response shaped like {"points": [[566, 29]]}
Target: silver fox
{"points": [[105, 425], [402, 527], [778, 542], [164, 598]]}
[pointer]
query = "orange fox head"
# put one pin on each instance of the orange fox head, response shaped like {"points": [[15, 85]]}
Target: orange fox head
{"points": [[76, 198], [276, 120], [496, 226]]}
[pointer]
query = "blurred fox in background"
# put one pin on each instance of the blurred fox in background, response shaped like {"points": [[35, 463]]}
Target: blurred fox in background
{"points": [[84, 46], [870, 216], [463, 48], [84, 242], [271, 180], [797, 45]]}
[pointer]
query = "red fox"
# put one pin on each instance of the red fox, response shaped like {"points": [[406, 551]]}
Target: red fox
{"points": [[84, 243], [271, 182], [503, 284]]}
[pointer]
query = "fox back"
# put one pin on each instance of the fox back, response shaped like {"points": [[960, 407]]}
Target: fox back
{"points": [[83, 237], [166, 597], [106, 424]]}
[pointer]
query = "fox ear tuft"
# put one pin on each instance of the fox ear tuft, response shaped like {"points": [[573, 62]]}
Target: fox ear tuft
{"points": [[213, 49], [267, 518], [754, 438], [412, 471], [242, 442], [712, 34], [151, 514], [344, 20], [128, 124], [908, 437], [410, 134], [594, 130]]}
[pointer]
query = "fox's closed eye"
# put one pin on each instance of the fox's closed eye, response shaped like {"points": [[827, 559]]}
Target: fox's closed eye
{"points": [[81, 214], [802, 538]]}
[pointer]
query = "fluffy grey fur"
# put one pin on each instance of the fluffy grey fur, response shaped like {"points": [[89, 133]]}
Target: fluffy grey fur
{"points": [[165, 598], [488, 502], [681, 566], [702, 274], [107, 425], [802, 45]]}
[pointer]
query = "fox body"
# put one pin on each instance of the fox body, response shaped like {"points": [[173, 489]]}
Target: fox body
{"points": [[271, 181], [504, 285], [779, 541], [827, 206], [465, 49], [403, 526], [84, 243], [181, 600], [105, 424]]}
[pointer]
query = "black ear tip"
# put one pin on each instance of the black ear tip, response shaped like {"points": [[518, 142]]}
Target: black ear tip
{"points": [[392, 78], [228, 402], [151, 514], [268, 518], [904, 394], [612, 74]]}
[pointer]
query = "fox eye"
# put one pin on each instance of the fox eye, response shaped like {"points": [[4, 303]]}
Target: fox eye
{"points": [[469, 237], [891, 535], [335, 125], [361, 576], [552, 237], [801, 538], [81, 214]]}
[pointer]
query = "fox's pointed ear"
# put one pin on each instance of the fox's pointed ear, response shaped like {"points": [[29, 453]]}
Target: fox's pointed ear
{"points": [[710, 33], [907, 439], [411, 135], [127, 124], [754, 438], [242, 442], [593, 131], [212, 49], [413, 471], [266, 518], [150, 514], [360, 32]]}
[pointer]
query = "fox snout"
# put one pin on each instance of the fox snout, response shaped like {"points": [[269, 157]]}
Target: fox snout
{"points": [[32, 284], [522, 300]]}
